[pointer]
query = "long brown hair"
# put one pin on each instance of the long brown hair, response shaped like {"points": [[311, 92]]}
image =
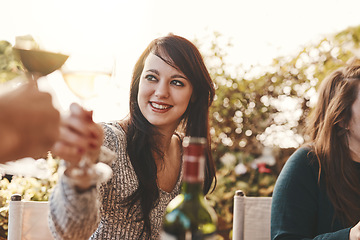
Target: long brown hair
{"points": [[328, 131], [179, 53]]}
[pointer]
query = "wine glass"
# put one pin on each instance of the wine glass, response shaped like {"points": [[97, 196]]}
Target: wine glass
{"points": [[39, 63], [85, 75]]}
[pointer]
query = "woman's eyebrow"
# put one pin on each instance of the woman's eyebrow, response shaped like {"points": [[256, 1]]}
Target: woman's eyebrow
{"points": [[153, 71], [172, 76], [179, 76]]}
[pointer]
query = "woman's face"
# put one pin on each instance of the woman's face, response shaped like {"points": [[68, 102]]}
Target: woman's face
{"points": [[164, 93], [354, 124]]}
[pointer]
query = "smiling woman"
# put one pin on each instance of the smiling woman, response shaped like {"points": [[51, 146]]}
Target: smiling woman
{"points": [[170, 95]]}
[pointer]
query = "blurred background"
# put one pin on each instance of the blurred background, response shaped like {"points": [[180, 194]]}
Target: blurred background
{"points": [[259, 30], [267, 58]]}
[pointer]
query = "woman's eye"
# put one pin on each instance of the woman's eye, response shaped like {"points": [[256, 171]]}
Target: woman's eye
{"points": [[150, 78], [177, 83]]}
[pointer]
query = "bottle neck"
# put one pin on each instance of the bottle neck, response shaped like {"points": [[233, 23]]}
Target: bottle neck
{"points": [[193, 177], [192, 190], [193, 167]]}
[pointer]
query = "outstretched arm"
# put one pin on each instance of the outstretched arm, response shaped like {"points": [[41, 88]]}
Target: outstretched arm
{"points": [[74, 205]]}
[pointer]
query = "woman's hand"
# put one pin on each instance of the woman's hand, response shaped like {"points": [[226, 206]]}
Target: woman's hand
{"points": [[79, 135], [355, 232]]}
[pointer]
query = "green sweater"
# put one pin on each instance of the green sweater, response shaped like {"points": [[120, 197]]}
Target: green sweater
{"points": [[301, 208]]}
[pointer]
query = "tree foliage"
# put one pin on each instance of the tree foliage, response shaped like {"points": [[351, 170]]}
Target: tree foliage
{"points": [[268, 106], [10, 66]]}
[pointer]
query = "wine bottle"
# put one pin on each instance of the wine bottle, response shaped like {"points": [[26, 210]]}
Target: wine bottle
{"points": [[188, 216]]}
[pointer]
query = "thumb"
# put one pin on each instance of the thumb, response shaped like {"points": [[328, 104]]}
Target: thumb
{"points": [[79, 111]]}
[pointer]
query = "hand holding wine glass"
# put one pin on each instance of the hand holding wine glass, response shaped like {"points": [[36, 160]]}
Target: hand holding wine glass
{"points": [[84, 76], [80, 138], [79, 144]]}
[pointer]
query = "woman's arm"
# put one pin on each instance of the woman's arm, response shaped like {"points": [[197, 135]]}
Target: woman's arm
{"points": [[73, 214], [75, 207]]}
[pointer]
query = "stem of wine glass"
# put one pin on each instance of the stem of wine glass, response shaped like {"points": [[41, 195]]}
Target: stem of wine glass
{"points": [[95, 172], [32, 78], [85, 161]]}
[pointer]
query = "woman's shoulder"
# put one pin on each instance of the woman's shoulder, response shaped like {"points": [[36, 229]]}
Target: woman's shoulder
{"points": [[299, 172], [301, 161], [113, 127], [114, 135], [303, 155], [178, 138]]}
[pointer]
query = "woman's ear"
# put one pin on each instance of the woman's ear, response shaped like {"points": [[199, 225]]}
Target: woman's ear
{"points": [[343, 129], [343, 126]]}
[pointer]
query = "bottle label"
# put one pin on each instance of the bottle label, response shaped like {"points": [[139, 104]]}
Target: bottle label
{"points": [[194, 169], [188, 236]]}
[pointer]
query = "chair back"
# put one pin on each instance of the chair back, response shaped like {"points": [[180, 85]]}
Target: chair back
{"points": [[251, 217], [28, 220]]}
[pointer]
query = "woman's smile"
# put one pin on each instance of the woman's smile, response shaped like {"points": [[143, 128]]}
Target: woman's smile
{"points": [[160, 107]]}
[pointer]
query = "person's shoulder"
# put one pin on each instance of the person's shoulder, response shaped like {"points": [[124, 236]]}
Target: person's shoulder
{"points": [[299, 170], [303, 159], [113, 127], [178, 137], [302, 155], [114, 135]]}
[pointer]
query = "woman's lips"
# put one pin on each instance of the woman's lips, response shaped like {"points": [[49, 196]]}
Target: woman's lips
{"points": [[160, 107]]}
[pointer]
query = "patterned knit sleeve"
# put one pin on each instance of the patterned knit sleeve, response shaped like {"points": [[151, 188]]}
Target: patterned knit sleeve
{"points": [[73, 214]]}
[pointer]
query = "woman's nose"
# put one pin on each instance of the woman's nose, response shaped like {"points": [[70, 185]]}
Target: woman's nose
{"points": [[162, 90]]}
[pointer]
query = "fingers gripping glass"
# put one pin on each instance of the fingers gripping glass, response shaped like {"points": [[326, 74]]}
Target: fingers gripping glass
{"points": [[85, 75], [39, 63]]}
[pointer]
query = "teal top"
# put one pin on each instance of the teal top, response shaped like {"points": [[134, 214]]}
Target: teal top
{"points": [[301, 208]]}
